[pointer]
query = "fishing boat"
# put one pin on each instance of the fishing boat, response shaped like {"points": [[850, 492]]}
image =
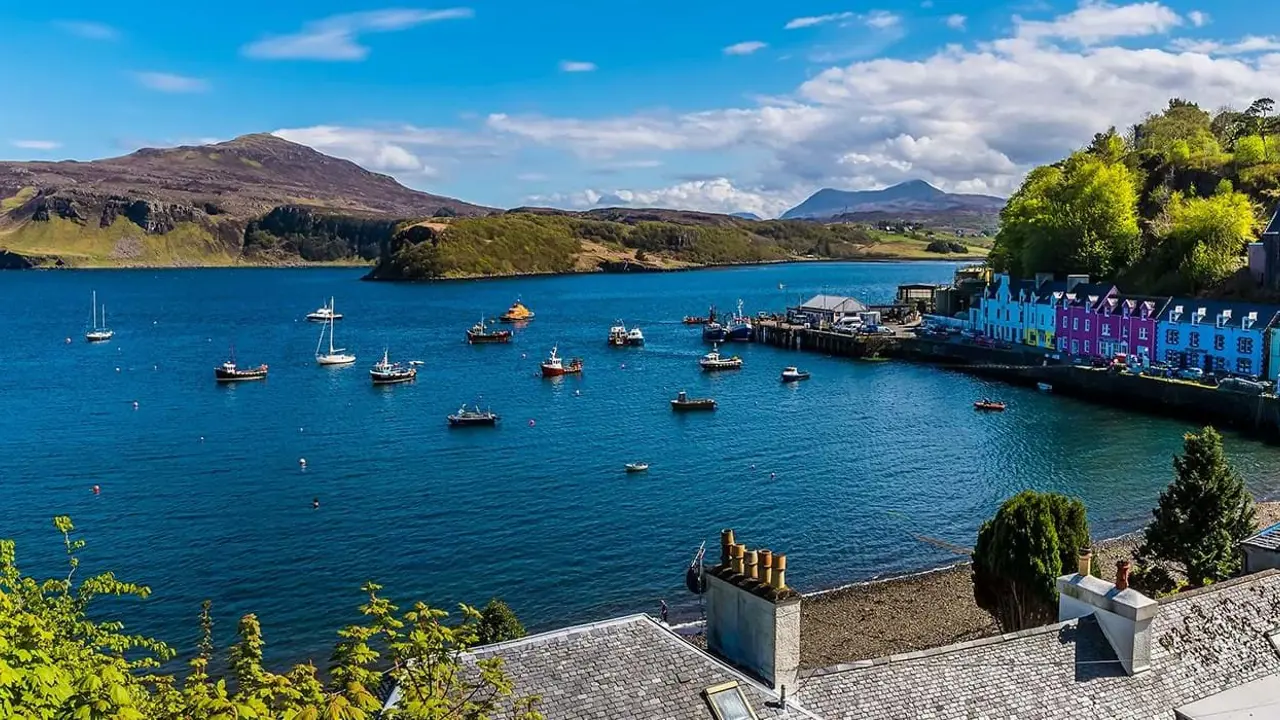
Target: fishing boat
{"points": [[714, 332], [324, 314], [684, 403], [991, 405], [713, 360], [793, 374], [637, 467], [554, 365], [618, 335], [229, 372], [98, 333], [1044, 387], [465, 417], [516, 313], [695, 320], [335, 356], [385, 372], [635, 338], [739, 327], [481, 334]]}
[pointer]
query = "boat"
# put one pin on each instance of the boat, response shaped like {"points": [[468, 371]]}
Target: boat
{"points": [[335, 356], [465, 417], [684, 403], [480, 334], [637, 467], [695, 320], [98, 333], [516, 313], [635, 338], [229, 372], [554, 365], [988, 405], [694, 580], [714, 332], [1044, 387], [793, 374], [618, 335], [385, 372], [739, 327], [713, 360], [324, 314]]}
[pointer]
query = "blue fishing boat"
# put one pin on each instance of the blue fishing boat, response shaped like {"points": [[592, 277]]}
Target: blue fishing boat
{"points": [[714, 332], [739, 328]]}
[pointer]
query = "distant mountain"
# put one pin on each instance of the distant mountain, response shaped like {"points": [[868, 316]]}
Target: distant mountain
{"points": [[746, 215], [911, 201], [257, 197]]}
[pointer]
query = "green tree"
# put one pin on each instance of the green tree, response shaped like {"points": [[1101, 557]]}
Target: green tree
{"points": [[1020, 553], [1202, 516], [1210, 234], [57, 662], [1250, 150], [498, 624]]}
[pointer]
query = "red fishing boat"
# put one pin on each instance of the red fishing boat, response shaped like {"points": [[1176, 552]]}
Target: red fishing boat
{"points": [[554, 366], [990, 405], [693, 320]]}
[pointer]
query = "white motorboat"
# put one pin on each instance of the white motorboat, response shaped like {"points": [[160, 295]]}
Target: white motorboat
{"points": [[794, 374], [637, 467], [713, 360], [618, 335], [385, 372], [324, 314], [635, 337], [98, 333]]}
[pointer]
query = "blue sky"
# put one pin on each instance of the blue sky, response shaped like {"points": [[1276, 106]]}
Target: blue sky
{"points": [[720, 106]]}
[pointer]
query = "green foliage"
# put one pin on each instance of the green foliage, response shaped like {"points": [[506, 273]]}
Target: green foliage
{"points": [[946, 246], [1021, 552], [1209, 234], [1202, 516], [57, 662], [1249, 151], [1182, 136], [316, 236], [498, 624], [1079, 216]]}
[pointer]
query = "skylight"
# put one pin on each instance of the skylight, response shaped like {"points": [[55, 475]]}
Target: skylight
{"points": [[728, 703]]}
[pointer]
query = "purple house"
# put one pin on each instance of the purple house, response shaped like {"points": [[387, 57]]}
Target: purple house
{"points": [[1127, 324], [1078, 311]]}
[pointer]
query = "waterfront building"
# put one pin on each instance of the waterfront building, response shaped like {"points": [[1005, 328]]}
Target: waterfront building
{"points": [[1042, 329], [823, 310], [1077, 313], [1127, 324], [1114, 653], [1002, 313], [1216, 336]]}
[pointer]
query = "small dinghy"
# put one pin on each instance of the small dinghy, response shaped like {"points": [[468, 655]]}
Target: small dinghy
{"points": [[637, 467], [990, 405]]}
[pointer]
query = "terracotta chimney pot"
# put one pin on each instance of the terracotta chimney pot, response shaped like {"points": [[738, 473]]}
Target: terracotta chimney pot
{"points": [[752, 566], [1086, 559], [738, 552], [779, 572], [726, 542], [1122, 574], [765, 568]]}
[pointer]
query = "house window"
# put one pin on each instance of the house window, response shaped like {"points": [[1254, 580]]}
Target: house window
{"points": [[1219, 343], [728, 703], [1064, 322], [1172, 357], [1075, 323], [1086, 347], [1062, 344], [1086, 324], [1245, 345], [1244, 366], [1194, 340], [1075, 347], [1106, 330], [1142, 333], [1219, 363], [1171, 337], [1124, 330]]}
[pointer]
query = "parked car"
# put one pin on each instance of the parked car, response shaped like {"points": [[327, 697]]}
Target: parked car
{"points": [[1191, 373], [1240, 385], [1099, 362]]}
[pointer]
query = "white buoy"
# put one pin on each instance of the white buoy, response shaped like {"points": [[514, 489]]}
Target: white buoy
{"points": [[68, 341], [302, 462], [201, 438], [135, 404], [117, 369]]}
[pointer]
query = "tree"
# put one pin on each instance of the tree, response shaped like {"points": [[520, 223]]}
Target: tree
{"points": [[57, 662], [1209, 234], [1020, 553], [498, 624], [1250, 150], [1202, 516]]}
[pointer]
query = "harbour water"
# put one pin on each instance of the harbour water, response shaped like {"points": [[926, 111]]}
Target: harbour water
{"points": [[202, 495]]}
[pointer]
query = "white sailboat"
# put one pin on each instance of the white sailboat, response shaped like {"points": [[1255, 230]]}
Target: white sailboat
{"points": [[335, 356], [98, 333]]}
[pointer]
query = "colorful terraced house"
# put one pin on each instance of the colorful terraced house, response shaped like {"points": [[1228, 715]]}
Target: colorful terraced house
{"points": [[1218, 336]]}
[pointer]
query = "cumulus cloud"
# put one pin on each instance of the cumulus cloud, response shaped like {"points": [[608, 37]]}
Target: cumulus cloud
{"points": [[881, 19], [811, 21], [745, 48], [171, 83], [718, 195], [88, 30], [404, 150], [1244, 46], [1198, 18], [36, 144], [576, 66], [337, 37], [956, 22], [1095, 22]]}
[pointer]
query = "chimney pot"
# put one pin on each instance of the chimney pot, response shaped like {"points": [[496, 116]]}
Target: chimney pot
{"points": [[752, 567], [779, 572], [726, 542], [1086, 558], [1122, 574], [765, 567], [739, 550]]}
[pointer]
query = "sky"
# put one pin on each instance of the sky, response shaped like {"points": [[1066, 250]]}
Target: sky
{"points": [[742, 106]]}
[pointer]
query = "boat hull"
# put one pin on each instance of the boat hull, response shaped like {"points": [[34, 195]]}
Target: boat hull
{"points": [[561, 371], [335, 360], [794, 377], [392, 378], [716, 366], [97, 337], [717, 334], [740, 333], [230, 376], [693, 405], [472, 422], [489, 338], [314, 317]]}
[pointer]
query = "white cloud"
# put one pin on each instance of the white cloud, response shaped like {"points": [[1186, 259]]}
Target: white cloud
{"points": [[171, 83], [337, 37], [880, 19], [36, 144], [404, 150], [1095, 22], [532, 177], [804, 22], [89, 30], [956, 22], [1244, 46], [1198, 18], [718, 195], [576, 66], [745, 48]]}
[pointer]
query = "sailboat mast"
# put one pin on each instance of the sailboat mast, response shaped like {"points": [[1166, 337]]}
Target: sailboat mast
{"points": [[95, 309], [331, 319]]}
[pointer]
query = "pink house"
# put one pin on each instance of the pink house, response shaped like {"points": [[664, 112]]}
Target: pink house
{"points": [[1100, 322], [1078, 313]]}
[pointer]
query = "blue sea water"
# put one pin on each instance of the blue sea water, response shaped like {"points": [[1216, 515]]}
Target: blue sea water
{"points": [[202, 495]]}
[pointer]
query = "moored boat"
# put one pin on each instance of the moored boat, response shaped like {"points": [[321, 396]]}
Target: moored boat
{"points": [[684, 403], [985, 404], [481, 334], [714, 332], [1044, 387], [637, 467], [335, 356], [385, 372], [794, 374], [635, 338], [324, 314], [695, 320], [554, 365], [98, 333], [739, 327], [465, 417], [713, 360], [230, 372], [618, 335], [516, 313]]}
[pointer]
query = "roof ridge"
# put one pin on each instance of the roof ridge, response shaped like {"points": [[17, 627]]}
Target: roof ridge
{"points": [[1219, 586], [559, 632]]}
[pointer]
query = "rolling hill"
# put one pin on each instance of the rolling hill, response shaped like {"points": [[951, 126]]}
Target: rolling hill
{"points": [[915, 201]]}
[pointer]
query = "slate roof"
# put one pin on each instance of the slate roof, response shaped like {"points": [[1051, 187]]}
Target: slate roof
{"points": [[1080, 294], [1203, 642], [621, 669], [1268, 539], [1266, 313], [1045, 293], [835, 303]]}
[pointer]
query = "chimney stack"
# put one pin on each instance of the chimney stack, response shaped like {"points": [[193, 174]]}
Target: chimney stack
{"points": [[1086, 558], [1122, 575], [766, 567], [1124, 615]]}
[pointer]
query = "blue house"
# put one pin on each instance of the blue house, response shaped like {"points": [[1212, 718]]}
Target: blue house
{"points": [[1216, 336]]}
